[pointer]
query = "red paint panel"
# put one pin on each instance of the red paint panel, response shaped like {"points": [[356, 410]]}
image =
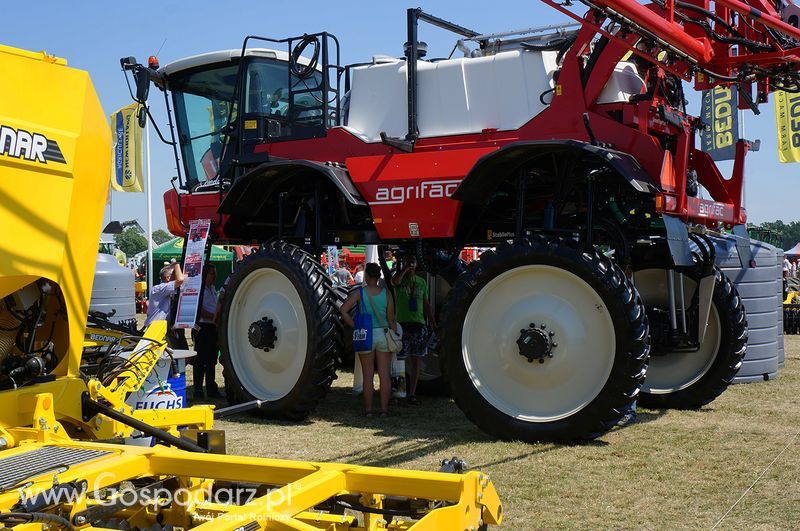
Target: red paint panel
{"points": [[192, 206], [703, 209], [412, 190]]}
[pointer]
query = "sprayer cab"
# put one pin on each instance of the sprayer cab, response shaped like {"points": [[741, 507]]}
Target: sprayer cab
{"points": [[286, 95]]}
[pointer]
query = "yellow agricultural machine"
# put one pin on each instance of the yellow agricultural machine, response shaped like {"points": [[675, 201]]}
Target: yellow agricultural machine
{"points": [[61, 464]]}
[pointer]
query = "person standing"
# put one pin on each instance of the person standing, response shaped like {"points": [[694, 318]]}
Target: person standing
{"points": [[342, 276], [414, 313], [359, 276], [160, 303], [205, 339], [376, 301]]}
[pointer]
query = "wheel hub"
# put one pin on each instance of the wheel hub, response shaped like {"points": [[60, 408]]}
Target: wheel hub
{"points": [[536, 343], [263, 334]]}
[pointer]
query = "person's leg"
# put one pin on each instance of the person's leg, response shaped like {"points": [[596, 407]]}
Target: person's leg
{"points": [[413, 364], [368, 370], [210, 331], [198, 371], [385, 376]]}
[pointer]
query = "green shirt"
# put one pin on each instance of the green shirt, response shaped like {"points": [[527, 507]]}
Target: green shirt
{"points": [[411, 288]]}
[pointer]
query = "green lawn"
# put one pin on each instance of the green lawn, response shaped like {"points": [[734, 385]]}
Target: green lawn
{"points": [[671, 470]]}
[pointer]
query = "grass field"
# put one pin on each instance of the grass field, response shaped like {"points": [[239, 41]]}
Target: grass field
{"points": [[670, 470]]}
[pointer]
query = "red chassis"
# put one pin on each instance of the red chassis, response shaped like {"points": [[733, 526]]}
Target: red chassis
{"points": [[424, 180]]}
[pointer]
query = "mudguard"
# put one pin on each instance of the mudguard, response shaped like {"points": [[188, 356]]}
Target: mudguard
{"points": [[482, 179], [250, 191]]}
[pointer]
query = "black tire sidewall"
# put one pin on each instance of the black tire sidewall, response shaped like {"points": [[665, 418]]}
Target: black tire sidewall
{"points": [[727, 359], [291, 405], [606, 408]]}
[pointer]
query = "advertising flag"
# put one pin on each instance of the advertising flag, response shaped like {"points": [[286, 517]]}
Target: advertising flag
{"points": [[787, 122], [721, 116], [126, 135]]}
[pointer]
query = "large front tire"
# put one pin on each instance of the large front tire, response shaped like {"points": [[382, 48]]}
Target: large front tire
{"points": [[278, 332], [599, 342]]}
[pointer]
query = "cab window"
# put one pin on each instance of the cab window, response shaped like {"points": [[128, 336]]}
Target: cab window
{"points": [[292, 107]]}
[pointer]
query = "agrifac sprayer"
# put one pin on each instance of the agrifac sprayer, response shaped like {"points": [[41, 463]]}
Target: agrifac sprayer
{"points": [[567, 150]]}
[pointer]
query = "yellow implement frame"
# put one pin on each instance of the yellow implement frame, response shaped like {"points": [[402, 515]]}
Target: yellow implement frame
{"points": [[54, 470], [295, 490]]}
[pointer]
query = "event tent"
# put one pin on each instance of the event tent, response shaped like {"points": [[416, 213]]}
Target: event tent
{"points": [[173, 249], [794, 251]]}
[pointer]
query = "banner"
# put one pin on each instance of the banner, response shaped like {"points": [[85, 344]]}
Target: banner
{"points": [[126, 136], [787, 122], [189, 299], [721, 116]]}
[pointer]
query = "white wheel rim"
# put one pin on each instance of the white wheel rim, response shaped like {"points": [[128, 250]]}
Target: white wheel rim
{"points": [[672, 372], [267, 375], [584, 333]]}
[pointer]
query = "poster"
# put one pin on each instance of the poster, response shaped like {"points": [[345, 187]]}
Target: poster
{"points": [[189, 299]]}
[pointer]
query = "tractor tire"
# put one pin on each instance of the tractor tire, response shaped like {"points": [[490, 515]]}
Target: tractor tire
{"points": [[690, 380], [517, 297], [279, 332]]}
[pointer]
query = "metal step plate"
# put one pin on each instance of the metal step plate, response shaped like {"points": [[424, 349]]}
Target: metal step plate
{"points": [[18, 468]]}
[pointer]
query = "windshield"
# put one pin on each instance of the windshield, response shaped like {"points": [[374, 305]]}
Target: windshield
{"points": [[203, 102], [281, 105]]}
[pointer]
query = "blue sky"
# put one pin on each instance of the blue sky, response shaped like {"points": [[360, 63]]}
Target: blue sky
{"points": [[93, 35]]}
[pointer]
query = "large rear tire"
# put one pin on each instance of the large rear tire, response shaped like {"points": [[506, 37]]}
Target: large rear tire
{"points": [[278, 332], [599, 342], [690, 380]]}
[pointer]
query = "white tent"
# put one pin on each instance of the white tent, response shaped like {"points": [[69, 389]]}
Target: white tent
{"points": [[794, 251]]}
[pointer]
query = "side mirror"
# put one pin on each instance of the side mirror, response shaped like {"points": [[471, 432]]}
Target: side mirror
{"points": [[142, 77], [115, 227]]}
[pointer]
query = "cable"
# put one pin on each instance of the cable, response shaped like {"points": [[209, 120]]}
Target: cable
{"points": [[29, 518], [753, 484], [374, 510], [304, 71]]}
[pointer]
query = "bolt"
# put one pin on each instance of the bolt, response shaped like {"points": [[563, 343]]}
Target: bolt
{"points": [[543, 326], [3, 443], [532, 325], [541, 360], [80, 520], [555, 345], [55, 428], [552, 334]]}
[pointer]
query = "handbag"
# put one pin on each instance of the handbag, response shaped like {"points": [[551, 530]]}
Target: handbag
{"points": [[394, 340], [362, 328]]}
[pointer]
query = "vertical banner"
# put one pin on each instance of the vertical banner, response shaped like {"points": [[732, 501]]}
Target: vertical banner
{"points": [[721, 116], [126, 163], [787, 122], [332, 259], [189, 299]]}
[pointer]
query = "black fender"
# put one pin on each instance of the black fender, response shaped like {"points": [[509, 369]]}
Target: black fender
{"points": [[252, 190], [482, 180]]}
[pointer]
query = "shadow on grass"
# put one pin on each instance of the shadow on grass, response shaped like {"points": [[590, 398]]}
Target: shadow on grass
{"points": [[427, 431]]}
